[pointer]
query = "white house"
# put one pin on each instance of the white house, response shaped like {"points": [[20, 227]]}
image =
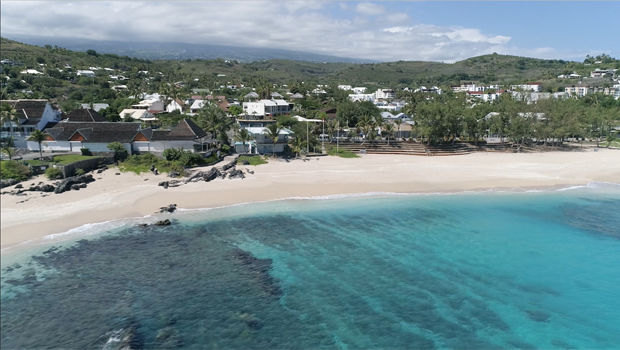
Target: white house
{"points": [[174, 106], [150, 104], [32, 115], [138, 114], [263, 144], [359, 90], [527, 87], [599, 73], [385, 94], [391, 117], [345, 87], [266, 108], [96, 106], [86, 73], [31, 71], [434, 90], [362, 97]]}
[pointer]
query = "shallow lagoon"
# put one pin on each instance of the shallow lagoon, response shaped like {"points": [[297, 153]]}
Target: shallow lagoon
{"points": [[478, 270]]}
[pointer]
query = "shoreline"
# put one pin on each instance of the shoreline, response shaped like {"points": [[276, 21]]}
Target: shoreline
{"points": [[113, 197]]}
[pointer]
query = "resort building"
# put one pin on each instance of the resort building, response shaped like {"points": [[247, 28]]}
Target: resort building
{"points": [[261, 144], [537, 87]]}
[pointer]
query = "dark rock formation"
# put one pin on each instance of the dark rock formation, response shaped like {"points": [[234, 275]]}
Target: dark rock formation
{"points": [[19, 186], [7, 182], [174, 174], [77, 187], [260, 270], [236, 174], [245, 162], [169, 209], [163, 223], [65, 185], [229, 165]]}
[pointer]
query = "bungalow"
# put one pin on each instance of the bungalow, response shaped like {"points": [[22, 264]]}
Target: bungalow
{"points": [[150, 104], [296, 95], [70, 136], [175, 105], [391, 117], [362, 97], [345, 87], [32, 115]]}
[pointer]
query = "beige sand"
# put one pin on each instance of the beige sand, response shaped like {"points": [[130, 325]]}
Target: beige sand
{"points": [[129, 195]]}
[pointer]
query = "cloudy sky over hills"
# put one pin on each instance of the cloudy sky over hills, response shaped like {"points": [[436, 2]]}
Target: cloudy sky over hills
{"points": [[386, 31]]}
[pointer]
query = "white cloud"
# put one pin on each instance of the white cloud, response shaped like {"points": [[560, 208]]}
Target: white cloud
{"points": [[368, 8], [302, 26]]}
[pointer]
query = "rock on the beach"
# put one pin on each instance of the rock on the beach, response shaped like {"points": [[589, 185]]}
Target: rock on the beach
{"points": [[169, 209], [7, 182], [65, 185]]}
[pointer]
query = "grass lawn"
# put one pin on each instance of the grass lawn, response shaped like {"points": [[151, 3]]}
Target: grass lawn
{"points": [[253, 160], [342, 153], [36, 162], [71, 158]]}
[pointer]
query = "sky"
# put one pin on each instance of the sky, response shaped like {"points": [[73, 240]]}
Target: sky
{"points": [[376, 30]]}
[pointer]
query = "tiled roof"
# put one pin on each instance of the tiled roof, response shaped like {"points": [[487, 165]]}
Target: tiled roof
{"points": [[31, 109], [85, 115], [186, 130], [104, 132]]}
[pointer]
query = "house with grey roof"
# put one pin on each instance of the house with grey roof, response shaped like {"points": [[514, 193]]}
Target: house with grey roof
{"points": [[71, 136]]}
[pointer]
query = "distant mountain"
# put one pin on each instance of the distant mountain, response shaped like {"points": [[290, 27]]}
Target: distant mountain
{"points": [[179, 51]]}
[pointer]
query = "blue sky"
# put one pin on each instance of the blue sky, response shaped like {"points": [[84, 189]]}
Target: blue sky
{"points": [[384, 31]]}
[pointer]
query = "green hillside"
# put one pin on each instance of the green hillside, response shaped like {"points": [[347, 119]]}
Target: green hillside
{"points": [[62, 84]]}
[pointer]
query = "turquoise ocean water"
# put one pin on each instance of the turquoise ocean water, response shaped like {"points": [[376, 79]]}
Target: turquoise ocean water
{"points": [[464, 271]]}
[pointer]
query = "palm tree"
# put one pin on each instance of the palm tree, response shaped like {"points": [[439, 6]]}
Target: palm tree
{"points": [[297, 144], [38, 136], [9, 115], [331, 128], [389, 130], [243, 136], [398, 122], [273, 132], [10, 151], [213, 119]]}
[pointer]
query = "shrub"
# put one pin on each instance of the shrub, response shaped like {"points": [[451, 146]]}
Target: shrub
{"points": [[53, 173], [86, 152], [10, 169], [120, 152], [172, 154], [226, 149], [79, 172]]}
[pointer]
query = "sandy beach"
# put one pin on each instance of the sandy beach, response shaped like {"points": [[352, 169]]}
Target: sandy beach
{"points": [[128, 195]]}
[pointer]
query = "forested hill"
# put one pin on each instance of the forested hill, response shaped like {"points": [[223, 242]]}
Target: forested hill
{"points": [[199, 73]]}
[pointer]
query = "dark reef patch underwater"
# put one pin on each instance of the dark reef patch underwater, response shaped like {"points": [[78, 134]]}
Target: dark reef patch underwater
{"points": [[484, 271]]}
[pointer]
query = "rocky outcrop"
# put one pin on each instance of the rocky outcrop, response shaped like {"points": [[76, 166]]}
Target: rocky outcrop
{"points": [[229, 165], [7, 182], [66, 184], [169, 209], [165, 222], [171, 183]]}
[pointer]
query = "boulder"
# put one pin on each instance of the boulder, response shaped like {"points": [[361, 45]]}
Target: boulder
{"points": [[163, 223], [245, 162], [77, 187], [174, 174], [164, 184], [169, 209], [19, 186], [7, 182], [229, 165]]}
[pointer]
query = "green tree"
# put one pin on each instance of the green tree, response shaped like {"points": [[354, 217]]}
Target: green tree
{"points": [[235, 110], [244, 137], [298, 143], [273, 132], [389, 131], [212, 118], [8, 115], [39, 137], [10, 151]]}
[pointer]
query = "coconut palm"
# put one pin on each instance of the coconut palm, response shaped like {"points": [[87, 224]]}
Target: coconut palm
{"points": [[273, 132], [38, 136], [389, 130], [331, 129], [213, 119], [8, 115], [243, 136], [298, 144], [10, 151], [398, 122]]}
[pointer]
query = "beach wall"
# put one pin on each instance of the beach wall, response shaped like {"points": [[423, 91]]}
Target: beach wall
{"points": [[87, 165]]}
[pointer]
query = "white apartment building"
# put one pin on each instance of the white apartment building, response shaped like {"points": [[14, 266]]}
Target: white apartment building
{"points": [[536, 87], [267, 108], [579, 90]]}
